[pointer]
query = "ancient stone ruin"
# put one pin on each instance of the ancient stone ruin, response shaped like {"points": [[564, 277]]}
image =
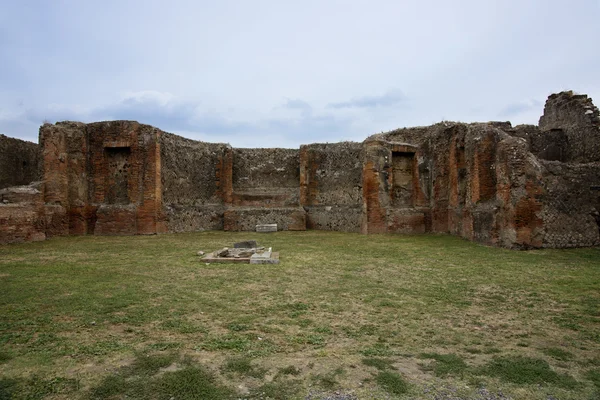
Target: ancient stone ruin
{"points": [[516, 187], [247, 252]]}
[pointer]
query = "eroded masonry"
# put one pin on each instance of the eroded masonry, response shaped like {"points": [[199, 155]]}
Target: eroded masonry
{"points": [[516, 187]]}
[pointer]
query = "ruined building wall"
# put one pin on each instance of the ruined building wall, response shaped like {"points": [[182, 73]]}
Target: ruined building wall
{"points": [[265, 177], [331, 185], [470, 180], [579, 119], [22, 214], [19, 162], [265, 189], [515, 187], [102, 178], [393, 196], [194, 183], [570, 204]]}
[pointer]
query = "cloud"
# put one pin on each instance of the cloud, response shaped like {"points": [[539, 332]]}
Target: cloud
{"points": [[297, 104], [56, 112], [19, 127], [341, 77], [193, 119], [521, 107], [292, 122], [387, 99], [161, 109]]}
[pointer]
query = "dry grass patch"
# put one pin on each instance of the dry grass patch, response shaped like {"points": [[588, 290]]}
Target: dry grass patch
{"points": [[383, 315]]}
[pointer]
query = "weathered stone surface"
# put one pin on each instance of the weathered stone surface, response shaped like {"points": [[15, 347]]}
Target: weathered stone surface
{"points": [[265, 178], [265, 258], [20, 162], [579, 119], [569, 205], [116, 220], [196, 180], [244, 252], [31, 193], [246, 218], [212, 258], [264, 228], [331, 185], [242, 255], [21, 223], [340, 218], [106, 175], [471, 180], [517, 187], [406, 221], [190, 218]]}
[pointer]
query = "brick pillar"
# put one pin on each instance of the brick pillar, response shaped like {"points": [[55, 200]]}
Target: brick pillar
{"points": [[376, 182], [224, 176]]}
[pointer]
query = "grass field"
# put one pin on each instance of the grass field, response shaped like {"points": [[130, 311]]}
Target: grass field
{"points": [[375, 317]]}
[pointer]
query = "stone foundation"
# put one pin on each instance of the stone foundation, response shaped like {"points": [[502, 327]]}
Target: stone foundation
{"points": [[246, 218]]}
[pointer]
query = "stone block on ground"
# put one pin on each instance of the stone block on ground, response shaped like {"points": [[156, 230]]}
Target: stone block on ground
{"points": [[267, 257], [264, 228], [246, 218]]}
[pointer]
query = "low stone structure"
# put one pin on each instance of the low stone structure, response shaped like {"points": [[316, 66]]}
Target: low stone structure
{"points": [[516, 187], [243, 252]]}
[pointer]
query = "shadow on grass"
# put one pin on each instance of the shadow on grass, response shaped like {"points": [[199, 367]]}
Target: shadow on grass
{"points": [[391, 382], [525, 370], [142, 380], [35, 388], [446, 364]]}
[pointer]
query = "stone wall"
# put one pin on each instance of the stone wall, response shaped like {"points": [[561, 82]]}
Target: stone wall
{"points": [[19, 162], [104, 177], [516, 187], [22, 214], [192, 182], [331, 185], [570, 204], [471, 180], [246, 218], [579, 119], [265, 177]]}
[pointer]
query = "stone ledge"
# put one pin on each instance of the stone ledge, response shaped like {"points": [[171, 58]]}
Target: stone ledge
{"points": [[246, 218]]}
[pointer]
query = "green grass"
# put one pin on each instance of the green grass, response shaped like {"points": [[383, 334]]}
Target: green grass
{"points": [[526, 370], [392, 382], [143, 380], [150, 364], [34, 387], [243, 366], [381, 364], [594, 376], [446, 364], [558, 353], [113, 316]]}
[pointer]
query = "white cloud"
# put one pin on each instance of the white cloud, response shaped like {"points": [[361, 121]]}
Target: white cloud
{"points": [[298, 71], [390, 98]]}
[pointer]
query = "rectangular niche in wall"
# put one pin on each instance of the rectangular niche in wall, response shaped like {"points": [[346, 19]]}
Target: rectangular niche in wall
{"points": [[402, 179], [117, 177]]}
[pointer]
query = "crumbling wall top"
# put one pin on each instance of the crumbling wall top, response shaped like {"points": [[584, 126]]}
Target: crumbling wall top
{"points": [[579, 119]]}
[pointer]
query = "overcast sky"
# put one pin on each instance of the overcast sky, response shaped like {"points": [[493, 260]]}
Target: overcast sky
{"points": [[281, 73]]}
